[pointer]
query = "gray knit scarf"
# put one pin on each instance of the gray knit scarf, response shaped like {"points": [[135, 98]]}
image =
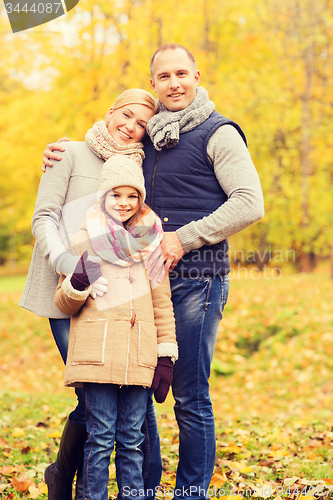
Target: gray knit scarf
{"points": [[165, 127]]}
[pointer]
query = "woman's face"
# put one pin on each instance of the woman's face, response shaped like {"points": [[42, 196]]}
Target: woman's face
{"points": [[128, 124], [121, 203]]}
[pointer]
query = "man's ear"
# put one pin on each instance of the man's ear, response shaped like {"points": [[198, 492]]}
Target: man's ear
{"points": [[197, 77], [152, 83]]}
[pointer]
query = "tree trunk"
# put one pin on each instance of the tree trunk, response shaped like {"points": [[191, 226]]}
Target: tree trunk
{"points": [[305, 263]]}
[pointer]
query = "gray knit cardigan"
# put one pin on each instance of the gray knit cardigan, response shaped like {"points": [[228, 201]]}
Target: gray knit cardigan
{"points": [[70, 186]]}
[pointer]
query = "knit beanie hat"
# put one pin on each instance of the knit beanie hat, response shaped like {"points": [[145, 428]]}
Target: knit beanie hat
{"points": [[120, 170]]}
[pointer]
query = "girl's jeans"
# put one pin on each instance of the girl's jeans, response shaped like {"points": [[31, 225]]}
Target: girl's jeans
{"points": [[152, 464], [114, 413]]}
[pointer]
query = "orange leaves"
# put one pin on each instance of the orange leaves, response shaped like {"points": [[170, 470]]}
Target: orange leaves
{"points": [[21, 483], [7, 470], [230, 448], [328, 481], [218, 479]]}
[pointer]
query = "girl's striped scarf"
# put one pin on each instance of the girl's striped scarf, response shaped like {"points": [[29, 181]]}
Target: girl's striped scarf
{"points": [[113, 243], [104, 146]]}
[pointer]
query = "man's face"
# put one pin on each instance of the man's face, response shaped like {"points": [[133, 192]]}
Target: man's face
{"points": [[174, 79]]}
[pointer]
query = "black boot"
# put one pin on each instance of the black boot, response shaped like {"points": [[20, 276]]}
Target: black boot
{"points": [[59, 475], [79, 482]]}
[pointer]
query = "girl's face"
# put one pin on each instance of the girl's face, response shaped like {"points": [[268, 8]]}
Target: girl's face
{"points": [[128, 124], [121, 203]]}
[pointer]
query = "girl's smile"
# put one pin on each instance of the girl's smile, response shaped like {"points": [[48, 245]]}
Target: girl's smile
{"points": [[121, 203]]}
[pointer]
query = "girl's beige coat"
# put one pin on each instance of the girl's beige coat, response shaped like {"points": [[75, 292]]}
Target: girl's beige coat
{"points": [[117, 338]]}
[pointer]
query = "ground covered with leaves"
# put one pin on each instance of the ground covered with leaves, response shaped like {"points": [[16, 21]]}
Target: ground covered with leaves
{"points": [[272, 393]]}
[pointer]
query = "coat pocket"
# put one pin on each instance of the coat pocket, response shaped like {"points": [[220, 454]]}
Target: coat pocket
{"points": [[147, 355], [89, 342]]}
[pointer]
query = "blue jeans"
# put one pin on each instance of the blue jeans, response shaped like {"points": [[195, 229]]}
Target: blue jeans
{"points": [[152, 462], [60, 330], [114, 413], [198, 306]]}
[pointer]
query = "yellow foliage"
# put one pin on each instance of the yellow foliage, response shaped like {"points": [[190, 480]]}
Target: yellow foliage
{"points": [[255, 60]]}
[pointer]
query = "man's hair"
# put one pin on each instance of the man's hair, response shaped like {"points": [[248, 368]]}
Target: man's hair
{"points": [[172, 46]]}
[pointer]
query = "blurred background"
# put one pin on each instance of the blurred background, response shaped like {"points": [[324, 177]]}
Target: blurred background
{"points": [[266, 64]]}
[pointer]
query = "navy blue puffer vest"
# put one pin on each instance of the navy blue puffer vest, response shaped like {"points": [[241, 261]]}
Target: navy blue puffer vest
{"points": [[181, 187]]}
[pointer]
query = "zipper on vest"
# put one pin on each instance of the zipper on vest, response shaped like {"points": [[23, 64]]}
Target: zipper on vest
{"points": [[153, 181]]}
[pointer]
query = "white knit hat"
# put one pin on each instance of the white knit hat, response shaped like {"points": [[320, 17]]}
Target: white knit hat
{"points": [[120, 170]]}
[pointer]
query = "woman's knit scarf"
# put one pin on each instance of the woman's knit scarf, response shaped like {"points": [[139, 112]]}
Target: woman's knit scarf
{"points": [[104, 146], [165, 127], [113, 243]]}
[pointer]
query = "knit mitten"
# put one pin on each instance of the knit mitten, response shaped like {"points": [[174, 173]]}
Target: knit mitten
{"points": [[85, 273], [162, 379]]}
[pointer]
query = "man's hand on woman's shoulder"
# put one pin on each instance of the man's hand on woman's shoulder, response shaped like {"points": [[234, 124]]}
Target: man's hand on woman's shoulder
{"points": [[50, 155]]}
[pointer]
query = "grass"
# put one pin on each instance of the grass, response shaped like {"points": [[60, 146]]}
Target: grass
{"points": [[12, 284], [271, 389]]}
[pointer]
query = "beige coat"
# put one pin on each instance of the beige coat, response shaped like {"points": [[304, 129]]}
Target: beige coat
{"points": [[117, 338]]}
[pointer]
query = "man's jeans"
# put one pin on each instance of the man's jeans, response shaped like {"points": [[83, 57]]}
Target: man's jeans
{"points": [[198, 306], [114, 413], [152, 463]]}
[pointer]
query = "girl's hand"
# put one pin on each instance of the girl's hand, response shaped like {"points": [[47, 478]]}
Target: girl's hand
{"points": [[48, 153], [85, 273], [162, 379], [99, 288], [155, 265]]}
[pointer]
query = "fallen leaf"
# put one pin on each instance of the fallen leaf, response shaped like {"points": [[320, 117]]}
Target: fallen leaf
{"points": [[217, 479], [18, 432], [34, 492], [3, 443], [265, 491], [242, 467], [21, 483], [7, 470], [267, 463], [25, 450], [288, 481], [43, 488], [55, 434], [41, 424]]}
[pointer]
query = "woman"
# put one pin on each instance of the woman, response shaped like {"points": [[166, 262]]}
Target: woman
{"points": [[64, 195]]}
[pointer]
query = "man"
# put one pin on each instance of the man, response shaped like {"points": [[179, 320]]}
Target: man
{"points": [[203, 185], [201, 181]]}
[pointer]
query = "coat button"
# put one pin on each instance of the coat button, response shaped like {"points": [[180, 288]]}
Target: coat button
{"points": [[133, 318], [165, 219]]}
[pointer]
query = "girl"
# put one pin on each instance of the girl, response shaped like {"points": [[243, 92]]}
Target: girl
{"points": [[65, 192], [115, 340]]}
